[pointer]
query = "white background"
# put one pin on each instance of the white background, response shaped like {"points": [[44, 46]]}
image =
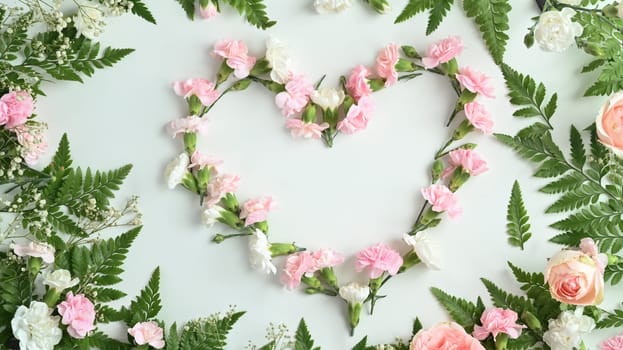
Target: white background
{"points": [[364, 190]]}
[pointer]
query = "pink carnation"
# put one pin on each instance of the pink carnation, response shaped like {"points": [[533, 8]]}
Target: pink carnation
{"points": [[36, 250], [297, 265], [470, 161], [442, 51], [379, 259], [236, 55], [208, 11], [614, 343], [299, 128], [256, 209], [442, 199], [498, 320], [78, 314], [219, 186], [475, 81], [15, 108], [190, 124], [357, 116], [199, 160], [32, 138], [325, 258], [385, 64], [296, 96], [479, 117], [357, 83], [148, 333], [202, 88]]}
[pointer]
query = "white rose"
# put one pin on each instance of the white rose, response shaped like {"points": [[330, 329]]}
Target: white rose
{"points": [[565, 332], [210, 216], [279, 60], [332, 6], [89, 20], [328, 98], [176, 170], [259, 253], [35, 328], [354, 293], [59, 279], [556, 31], [424, 248]]}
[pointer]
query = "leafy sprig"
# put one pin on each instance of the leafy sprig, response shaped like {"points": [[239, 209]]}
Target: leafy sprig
{"points": [[517, 228], [254, 11]]}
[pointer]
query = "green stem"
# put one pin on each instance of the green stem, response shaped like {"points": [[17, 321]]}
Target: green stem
{"points": [[208, 108], [442, 151], [219, 238]]}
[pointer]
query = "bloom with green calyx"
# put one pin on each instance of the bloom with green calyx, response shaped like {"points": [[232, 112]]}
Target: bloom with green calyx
{"points": [[354, 294]]}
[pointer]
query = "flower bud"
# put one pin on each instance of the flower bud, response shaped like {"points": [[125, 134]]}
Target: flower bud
{"points": [[380, 6], [203, 177], [463, 129], [194, 105], [223, 73], [451, 67], [410, 52], [528, 40], [230, 219], [190, 142], [329, 276], [437, 170], [376, 84], [309, 114], [34, 265], [531, 321], [279, 249], [312, 282], [405, 66], [218, 238], [242, 84]]}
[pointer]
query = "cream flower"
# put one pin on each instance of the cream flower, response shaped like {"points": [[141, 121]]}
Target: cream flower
{"points": [[59, 279], [259, 253], [176, 170], [35, 328], [565, 332], [354, 293], [210, 216], [556, 31], [424, 248], [89, 20], [328, 98], [279, 60], [332, 6]]}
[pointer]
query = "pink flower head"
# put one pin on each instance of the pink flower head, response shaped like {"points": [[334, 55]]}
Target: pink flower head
{"points": [[442, 51], [297, 265], [78, 314], [614, 343], [498, 320], [444, 336], [208, 11], [325, 258], [32, 138], [202, 88], [379, 259], [299, 128], [588, 247], [219, 186], [357, 83], [36, 250], [199, 160], [385, 64], [148, 333], [15, 108], [357, 116], [296, 96], [475, 81], [479, 117], [442, 199], [190, 124], [236, 55], [256, 209], [575, 278], [470, 161]]}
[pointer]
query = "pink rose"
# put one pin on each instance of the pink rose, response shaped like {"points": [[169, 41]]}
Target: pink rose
{"points": [[574, 278], [442, 51], [296, 266], [497, 320], [208, 11], [32, 138], [219, 186], [236, 55], [78, 314], [378, 259], [15, 108], [610, 124], [325, 258], [479, 117], [357, 83], [588, 247], [444, 336], [256, 209], [299, 128], [614, 343], [202, 88], [469, 160], [36, 250], [475, 81], [442, 199], [199, 160], [296, 96], [357, 116], [190, 124], [385, 64], [147, 333]]}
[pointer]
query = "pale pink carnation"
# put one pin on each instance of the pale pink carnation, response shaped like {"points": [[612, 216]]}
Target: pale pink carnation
{"points": [[379, 259], [236, 55], [299, 128], [190, 124], [32, 138], [442, 51], [475, 81], [588, 247], [497, 320], [445, 336], [4, 113], [148, 333], [208, 11], [468, 159], [479, 117], [357, 116], [15, 108], [614, 343], [296, 96], [385, 64], [219, 186], [256, 209], [78, 314], [199, 160], [357, 83], [202, 88], [325, 258], [442, 199], [297, 265], [36, 250]]}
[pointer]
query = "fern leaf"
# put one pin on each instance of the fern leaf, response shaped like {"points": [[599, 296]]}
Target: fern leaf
{"points": [[189, 7], [413, 8], [525, 92], [578, 152], [586, 194], [463, 312], [614, 319], [303, 339], [437, 14], [148, 304], [140, 9], [614, 273], [517, 227], [491, 16], [534, 286]]}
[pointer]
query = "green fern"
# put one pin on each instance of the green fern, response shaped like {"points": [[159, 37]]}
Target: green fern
{"points": [[491, 16], [189, 7], [15, 290], [614, 319], [140, 9], [463, 312], [517, 227], [437, 13], [614, 273], [303, 339], [148, 304], [203, 334], [502, 299], [412, 8], [254, 11]]}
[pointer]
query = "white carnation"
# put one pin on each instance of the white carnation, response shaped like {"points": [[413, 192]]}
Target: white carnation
{"points": [[328, 98], [556, 31], [425, 249], [332, 6], [176, 170], [34, 328], [259, 253], [59, 279], [279, 60], [89, 20], [210, 216], [354, 293], [565, 332]]}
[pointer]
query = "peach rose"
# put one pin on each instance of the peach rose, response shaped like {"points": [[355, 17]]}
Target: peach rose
{"points": [[445, 336], [574, 278], [610, 124]]}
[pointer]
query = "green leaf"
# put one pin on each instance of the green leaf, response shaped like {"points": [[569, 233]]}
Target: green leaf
{"points": [[584, 195], [534, 285], [614, 272], [525, 92], [303, 339], [254, 11], [413, 8], [189, 7], [614, 319], [503, 299], [140, 9], [517, 227], [578, 152], [437, 14], [491, 16], [463, 312], [147, 304]]}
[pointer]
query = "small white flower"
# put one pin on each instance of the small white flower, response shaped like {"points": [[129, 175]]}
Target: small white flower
{"points": [[328, 98], [354, 293], [89, 20], [565, 332], [425, 249], [59, 279], [332, 6], [259, 253], [35, 328], [210, 216], [176, 170], [556, 31], [279, 60]]}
